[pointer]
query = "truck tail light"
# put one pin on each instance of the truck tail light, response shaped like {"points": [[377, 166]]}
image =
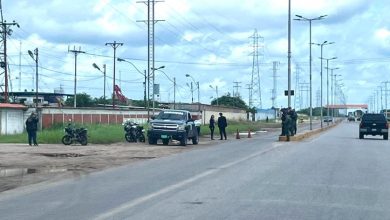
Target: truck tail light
{"points": [[361, 125]]}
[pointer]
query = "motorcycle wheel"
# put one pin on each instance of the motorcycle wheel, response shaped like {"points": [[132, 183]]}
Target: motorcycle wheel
{"points": [[67, 140], [141, 138], [129, 138], [83, 140]]}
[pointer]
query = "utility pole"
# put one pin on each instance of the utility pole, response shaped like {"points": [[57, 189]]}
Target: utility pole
{"points": [[289, 56], [151, 21], [76, 52], [386, 82], [114, 46], [20, 66], [5, 31]]}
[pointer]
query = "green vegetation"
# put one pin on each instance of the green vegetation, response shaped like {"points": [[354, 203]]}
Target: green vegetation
{"points": [[107, 134]]}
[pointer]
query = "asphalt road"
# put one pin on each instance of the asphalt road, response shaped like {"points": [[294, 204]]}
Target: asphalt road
{"points": [[331, 176]]}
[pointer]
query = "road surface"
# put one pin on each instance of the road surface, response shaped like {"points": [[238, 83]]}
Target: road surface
{"points": [[331, 176]]}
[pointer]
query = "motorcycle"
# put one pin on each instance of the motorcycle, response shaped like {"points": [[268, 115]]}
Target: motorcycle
{"points": [[133, 132], [75, 135]]}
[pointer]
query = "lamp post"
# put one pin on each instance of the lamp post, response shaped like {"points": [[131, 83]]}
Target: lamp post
{"points": [[104, 85], [153, 92], [216, 91], [327, 83], [197, 85], [301, 18], [322, 45], [174, 86], [146, 100], [35, 58], [333, 87]]}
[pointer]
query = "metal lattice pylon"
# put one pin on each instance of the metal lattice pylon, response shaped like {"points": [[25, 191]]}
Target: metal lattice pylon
{"points": [[255, 92]]}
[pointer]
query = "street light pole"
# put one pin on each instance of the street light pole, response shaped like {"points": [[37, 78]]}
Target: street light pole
{"points": [[104, 85], [36, 72], [322, 45], [153, 92], [327, 83], [301, 18], [197, 86]]}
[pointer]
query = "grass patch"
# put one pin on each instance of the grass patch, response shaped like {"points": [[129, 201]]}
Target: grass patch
{"points": [[107, 134]]}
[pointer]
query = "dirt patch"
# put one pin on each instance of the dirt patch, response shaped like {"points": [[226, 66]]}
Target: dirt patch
{"points": [[21, 164]]}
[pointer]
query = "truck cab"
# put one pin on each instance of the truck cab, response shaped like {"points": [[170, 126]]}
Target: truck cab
{"points": [[173, 125]]}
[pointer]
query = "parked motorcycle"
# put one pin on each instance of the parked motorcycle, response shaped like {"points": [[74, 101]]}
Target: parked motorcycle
{"points": [[73, 135], [133, 132]]}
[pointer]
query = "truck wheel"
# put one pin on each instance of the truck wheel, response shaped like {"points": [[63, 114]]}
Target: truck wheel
{"points": [[165, 141], [361, 136], [385, 136], [195, 139], [183, 141], [152, 141]]}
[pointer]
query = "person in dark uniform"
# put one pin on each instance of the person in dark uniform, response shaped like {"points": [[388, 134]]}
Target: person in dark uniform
{"points": [[212, 126], [32, 127], [222, 124]]}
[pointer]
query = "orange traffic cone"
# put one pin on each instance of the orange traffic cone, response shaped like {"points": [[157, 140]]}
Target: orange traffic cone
{"points": [[237, 135], [249, 133]]}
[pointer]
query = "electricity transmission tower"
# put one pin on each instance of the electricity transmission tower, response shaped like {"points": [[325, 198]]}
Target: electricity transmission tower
{"points": [[236, 88], [150, 22], [274, 90], [5, 30], [255, 92], [297, 96]]}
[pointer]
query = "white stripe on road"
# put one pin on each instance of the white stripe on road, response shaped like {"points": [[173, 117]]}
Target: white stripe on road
{"points": [[173, 187]]}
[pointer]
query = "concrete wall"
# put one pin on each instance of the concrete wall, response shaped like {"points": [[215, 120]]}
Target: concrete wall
{"points": [[11, 121], [208, 110]]}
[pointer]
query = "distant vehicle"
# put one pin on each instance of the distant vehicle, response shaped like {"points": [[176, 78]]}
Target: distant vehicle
{"points": [[373, 124], [351, 118], [173, 125], [328, 119]]}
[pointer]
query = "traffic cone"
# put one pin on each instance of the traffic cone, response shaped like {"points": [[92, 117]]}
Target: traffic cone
{"points": [[237, 135], [249, 133]]}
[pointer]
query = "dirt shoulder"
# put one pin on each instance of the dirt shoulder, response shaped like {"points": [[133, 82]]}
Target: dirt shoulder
{"points": [[22, 165]]}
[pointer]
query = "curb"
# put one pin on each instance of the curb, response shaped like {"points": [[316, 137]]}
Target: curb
{"points": [[301, 136]]}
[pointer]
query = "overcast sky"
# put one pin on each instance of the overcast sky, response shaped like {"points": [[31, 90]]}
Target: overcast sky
{"points": [[210, 40]]}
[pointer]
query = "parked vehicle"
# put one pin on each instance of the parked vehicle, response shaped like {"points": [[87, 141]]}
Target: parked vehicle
{"points": [[133, 132], [173, 125], [73, 135], [351, 118], [328, 119], [373, 124]]}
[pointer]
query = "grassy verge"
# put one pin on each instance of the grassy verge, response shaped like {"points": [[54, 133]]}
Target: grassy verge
{"points": [[106, 134]]}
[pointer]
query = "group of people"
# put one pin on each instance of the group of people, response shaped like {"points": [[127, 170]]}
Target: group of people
{"points": [[289, 122], [221, 123]]}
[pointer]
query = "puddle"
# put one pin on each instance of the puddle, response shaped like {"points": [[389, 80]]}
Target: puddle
{"points": [[10, 172], [61, 155], [142, 158]]}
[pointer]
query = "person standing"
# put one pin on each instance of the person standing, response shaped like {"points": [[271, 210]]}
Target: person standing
{"points": [[32, 127], [212, 126], [222, 124]]}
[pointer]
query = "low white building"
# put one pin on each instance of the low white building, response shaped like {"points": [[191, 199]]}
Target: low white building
{"points": [[11, 118]]}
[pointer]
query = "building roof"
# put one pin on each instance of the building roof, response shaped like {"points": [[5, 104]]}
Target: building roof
{"points": [[15, 106]]}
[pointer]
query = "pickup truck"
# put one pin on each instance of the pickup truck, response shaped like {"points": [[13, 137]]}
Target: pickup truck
{"points": [[373, 124], [173, 125]]}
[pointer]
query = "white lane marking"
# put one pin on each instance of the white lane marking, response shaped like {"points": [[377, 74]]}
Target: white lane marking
{"points": [[173, 187]]}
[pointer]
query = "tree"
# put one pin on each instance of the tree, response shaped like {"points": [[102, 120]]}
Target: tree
{"points": [[82, 100], [230, 101]]}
